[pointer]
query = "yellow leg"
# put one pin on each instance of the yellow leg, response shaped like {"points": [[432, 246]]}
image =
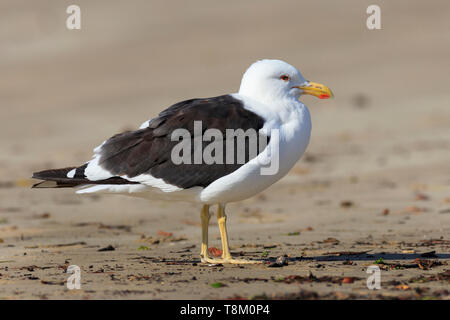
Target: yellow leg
{"points": [[222, 221], [226, 255], [205, 216]]}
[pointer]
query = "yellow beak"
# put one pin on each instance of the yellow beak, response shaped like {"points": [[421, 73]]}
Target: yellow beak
{"points": [[318, 90]]}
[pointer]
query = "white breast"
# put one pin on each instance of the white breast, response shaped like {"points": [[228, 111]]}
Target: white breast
{"points": [[248, 181]]}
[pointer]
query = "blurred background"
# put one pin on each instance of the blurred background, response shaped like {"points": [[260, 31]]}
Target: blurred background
{"points": [[376, 172], [62, 92]]}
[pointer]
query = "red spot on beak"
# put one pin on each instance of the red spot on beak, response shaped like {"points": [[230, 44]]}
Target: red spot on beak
{"points": [[324, 96]]}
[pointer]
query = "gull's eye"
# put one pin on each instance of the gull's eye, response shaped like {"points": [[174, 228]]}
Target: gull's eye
{"points": [[284, 77]]}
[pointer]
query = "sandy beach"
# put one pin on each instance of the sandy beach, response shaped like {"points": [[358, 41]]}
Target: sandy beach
{"points": [[372, 189]]}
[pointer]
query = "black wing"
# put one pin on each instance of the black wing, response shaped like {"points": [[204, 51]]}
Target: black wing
{"points": [[148, 150]]}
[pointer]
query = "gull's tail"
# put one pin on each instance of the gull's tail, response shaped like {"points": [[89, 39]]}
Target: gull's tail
{"points": [[56, 178], [72, 177]]}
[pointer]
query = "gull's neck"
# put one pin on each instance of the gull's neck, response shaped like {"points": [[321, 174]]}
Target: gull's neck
{"points": [[284, 108]]}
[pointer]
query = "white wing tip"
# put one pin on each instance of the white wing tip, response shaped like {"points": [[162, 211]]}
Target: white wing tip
{"points": [[71, 174]]}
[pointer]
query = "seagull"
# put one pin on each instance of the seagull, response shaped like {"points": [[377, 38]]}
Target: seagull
{"points": [[155, 163]]}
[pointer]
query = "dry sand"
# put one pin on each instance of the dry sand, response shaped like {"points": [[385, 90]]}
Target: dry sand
{"points": [[375, 179]]}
